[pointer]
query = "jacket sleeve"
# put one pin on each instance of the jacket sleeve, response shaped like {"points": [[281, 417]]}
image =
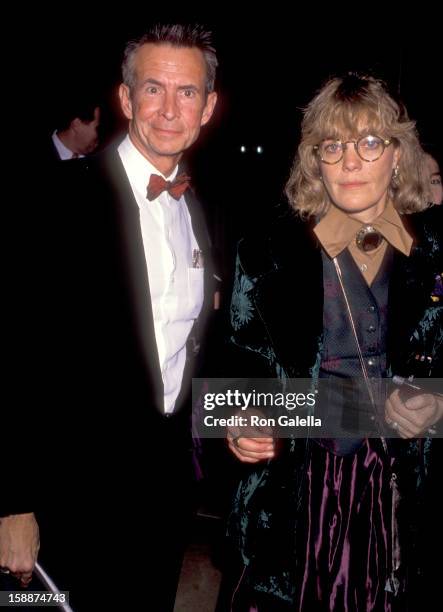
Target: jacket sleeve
{"points": [[250, 354]]}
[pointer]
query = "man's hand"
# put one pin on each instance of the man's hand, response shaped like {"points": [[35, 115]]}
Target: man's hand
{"points": [[19, 545], [415, 416]]}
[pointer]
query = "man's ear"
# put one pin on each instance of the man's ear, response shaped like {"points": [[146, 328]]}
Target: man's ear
{"points": [[125, 100], [75, 124], [211, 101]]}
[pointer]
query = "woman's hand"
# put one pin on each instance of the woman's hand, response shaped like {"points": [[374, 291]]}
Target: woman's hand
{"points": [[415, 416], [252, 450], [251, 444]]}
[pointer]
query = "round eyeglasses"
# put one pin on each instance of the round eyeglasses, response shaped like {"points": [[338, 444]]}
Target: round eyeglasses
{"points": [[368, 148]]}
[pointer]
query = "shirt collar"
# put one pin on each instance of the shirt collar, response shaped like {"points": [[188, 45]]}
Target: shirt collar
{"points": [[336, 230], [63, 152], [137, 167]]}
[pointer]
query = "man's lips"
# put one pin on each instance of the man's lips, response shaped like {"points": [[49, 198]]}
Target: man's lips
{"points": [[166, 131]]}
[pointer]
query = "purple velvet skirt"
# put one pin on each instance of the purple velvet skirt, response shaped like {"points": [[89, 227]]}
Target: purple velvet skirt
{"points": [[344, 543], [344, 535]]}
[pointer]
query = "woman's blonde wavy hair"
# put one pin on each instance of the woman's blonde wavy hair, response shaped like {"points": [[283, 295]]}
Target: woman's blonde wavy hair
{"points": [[341, 108]]}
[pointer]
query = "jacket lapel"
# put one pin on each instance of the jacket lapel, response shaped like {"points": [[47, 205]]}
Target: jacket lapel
{"points": [[199, 228], [134, 271]]}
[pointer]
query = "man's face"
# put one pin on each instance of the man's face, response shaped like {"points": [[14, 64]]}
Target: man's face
{"points": [[167, 105], [86, 134]]}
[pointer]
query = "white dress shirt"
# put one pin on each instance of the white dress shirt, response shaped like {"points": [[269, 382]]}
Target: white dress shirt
{"points": [[62, 150], [176, 287]]}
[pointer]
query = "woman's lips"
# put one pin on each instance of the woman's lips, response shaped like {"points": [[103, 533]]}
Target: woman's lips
{"points": [[352, 185]]}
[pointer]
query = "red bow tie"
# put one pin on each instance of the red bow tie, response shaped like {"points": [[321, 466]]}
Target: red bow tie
{"points": [[175, 188]]}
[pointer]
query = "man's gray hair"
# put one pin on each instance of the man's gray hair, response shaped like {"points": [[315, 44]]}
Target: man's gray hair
{"points": [[176, 35]]}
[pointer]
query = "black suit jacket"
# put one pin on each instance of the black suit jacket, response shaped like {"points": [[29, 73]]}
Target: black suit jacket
{"points": [[50, 152], [47, 152], [85, 440], [87, 378]]}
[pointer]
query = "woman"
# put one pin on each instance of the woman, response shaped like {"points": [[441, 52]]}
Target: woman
{"points": [[345, 288], [434, 177]]}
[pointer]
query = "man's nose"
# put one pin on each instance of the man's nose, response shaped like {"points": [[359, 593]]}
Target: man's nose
{"points": [[169, 106]]}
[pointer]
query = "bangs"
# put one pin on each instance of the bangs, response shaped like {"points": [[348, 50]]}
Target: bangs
{"points": [[349, 120], [347, 109]]}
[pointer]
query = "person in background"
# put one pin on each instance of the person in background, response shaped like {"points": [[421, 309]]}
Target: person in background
{"points": [[76, 134], [434, 172]]}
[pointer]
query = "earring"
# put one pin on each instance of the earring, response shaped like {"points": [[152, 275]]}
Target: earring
{"points": [[395, 173]]}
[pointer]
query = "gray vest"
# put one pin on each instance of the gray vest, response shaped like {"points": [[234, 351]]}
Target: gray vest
{"points": [[347, 402]]}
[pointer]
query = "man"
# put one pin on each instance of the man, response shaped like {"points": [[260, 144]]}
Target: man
{"points": [[127, 270], [76, 134]]}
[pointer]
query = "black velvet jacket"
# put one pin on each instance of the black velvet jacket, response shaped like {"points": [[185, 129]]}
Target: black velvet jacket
{"points": [[277, 307], [277, 326]]}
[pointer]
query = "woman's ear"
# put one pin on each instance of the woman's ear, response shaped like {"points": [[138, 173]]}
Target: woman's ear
{"points": [[397, 157]]}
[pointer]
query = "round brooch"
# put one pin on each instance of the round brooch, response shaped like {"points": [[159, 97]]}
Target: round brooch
{"points": [[368, 238]]}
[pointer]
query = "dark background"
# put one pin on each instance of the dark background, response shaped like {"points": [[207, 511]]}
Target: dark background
{"points": [[272, 61]]}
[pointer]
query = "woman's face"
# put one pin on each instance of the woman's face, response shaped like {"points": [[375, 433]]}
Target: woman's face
{"points": [[358, 187], [434, 179]]}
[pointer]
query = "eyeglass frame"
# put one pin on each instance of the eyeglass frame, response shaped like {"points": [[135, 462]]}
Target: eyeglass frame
{"points": [[385, 142]]}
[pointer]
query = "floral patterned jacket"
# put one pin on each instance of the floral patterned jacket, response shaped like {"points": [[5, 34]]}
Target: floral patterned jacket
{"points": [[277, 325]]}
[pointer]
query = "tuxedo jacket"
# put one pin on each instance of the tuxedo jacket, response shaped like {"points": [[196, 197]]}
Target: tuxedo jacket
{"points": [[89, 391]]}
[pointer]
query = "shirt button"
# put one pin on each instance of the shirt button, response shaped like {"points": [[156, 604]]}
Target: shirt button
{"points": [[363, 267], [371, 328], [371, 309]]}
